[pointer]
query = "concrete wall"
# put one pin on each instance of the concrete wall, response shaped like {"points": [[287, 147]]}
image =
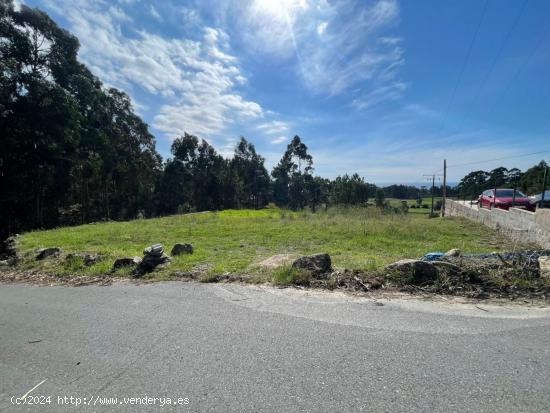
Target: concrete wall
{"points": [[518, 224]]}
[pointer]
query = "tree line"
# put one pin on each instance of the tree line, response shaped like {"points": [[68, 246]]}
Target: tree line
{"points": [[530, 181], [74, 151]]}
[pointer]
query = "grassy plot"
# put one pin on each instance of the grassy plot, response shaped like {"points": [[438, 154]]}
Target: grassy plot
{"points": [[235, 241], [414, 208]]}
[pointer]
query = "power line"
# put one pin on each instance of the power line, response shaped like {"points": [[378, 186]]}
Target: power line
{"points": [[519, 70], [497, 56], [466, 60], [498, 159]]}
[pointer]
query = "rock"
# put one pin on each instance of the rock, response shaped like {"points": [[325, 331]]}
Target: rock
{"points": [[155, 250], [544, 267], [179, 249], [421, 271], [455, 252], [149, 262], [88, 259], [48, 252], [152, 258], [125, 262], [318, 264]]}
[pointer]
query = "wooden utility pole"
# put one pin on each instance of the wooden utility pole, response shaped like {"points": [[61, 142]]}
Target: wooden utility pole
{"points": [[433, 188], [443, 201], [543, 187]]}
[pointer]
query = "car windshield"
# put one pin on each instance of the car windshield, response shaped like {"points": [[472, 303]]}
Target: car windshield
{"points": [[509, 193]]}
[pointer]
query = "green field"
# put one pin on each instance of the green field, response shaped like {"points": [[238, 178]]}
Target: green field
{"points": [[426, 201], [235, 241]]}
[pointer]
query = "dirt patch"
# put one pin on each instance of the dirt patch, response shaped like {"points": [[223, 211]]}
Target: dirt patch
{"points": [[277, 261], [40, 278]]}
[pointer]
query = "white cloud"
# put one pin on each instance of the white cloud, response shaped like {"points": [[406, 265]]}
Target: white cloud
{"points": [[273, 127], [351, 54], [279, 140], [338, 47], [195, 81]]}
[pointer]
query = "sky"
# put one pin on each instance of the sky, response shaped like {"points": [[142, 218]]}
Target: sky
{"points": [[384, 88]]}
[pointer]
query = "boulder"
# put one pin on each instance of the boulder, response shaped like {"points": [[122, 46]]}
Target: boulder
{"points": [[88, 259], [179, 249], [149, 263], [455, 252], [48, 252], [421, 272], [155, 250], [125, 262], [318, 264], [152, 258]]}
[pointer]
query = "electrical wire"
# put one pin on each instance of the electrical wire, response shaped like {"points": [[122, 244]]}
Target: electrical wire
{"points": [[498, 159]]}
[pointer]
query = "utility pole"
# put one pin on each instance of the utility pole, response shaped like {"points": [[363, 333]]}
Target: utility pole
{"points": [[543, 187], [433, 188], [444, 187]]}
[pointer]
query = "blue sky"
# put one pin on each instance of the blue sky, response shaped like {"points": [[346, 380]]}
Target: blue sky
{"points": [[384, 88]]}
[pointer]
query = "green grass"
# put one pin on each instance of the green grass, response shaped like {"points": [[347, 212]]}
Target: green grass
{"points": [[235, 241], [410, 202]]}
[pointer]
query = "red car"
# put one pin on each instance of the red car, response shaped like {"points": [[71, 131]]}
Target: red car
{"points": [[505, 199]]}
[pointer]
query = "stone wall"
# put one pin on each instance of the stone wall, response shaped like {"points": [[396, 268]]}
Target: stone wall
{"points": [[518, 224]]}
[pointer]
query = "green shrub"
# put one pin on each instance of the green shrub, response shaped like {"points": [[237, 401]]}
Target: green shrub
{"points": [[288, 275]]}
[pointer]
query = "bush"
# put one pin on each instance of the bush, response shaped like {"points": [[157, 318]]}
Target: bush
{"points": [[289, 275]]}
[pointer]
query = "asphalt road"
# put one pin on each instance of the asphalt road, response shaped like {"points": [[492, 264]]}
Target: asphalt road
{"points": [[230, 348]]}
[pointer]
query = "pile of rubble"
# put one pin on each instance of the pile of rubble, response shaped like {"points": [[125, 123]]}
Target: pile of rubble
{"points": [[153, 258]]}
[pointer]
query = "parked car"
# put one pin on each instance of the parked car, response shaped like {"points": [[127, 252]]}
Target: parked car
{"points": [[505, 199], [536, 199]]}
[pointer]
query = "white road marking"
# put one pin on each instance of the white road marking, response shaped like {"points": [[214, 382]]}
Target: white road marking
{"points": [[34, 388]]}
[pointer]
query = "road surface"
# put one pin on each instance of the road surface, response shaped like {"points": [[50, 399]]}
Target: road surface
{"points": [[230, 348]]}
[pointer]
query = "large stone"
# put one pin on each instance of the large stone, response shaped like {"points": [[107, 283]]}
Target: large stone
{"points": [[544, 267], [125, 262], [48, 252], [155, 250], [152, 258], [149, 263], [421, 272], [179, 249], [318, 264]]}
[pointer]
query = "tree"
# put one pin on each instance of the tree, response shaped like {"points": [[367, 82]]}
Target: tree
{"points": [[380, 198], [71, 145], [473, 184], [253, 179], [531, 181], [289, 183]]}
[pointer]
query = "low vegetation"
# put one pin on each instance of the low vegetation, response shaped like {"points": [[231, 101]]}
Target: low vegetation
{"points": [[236, 241]]}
